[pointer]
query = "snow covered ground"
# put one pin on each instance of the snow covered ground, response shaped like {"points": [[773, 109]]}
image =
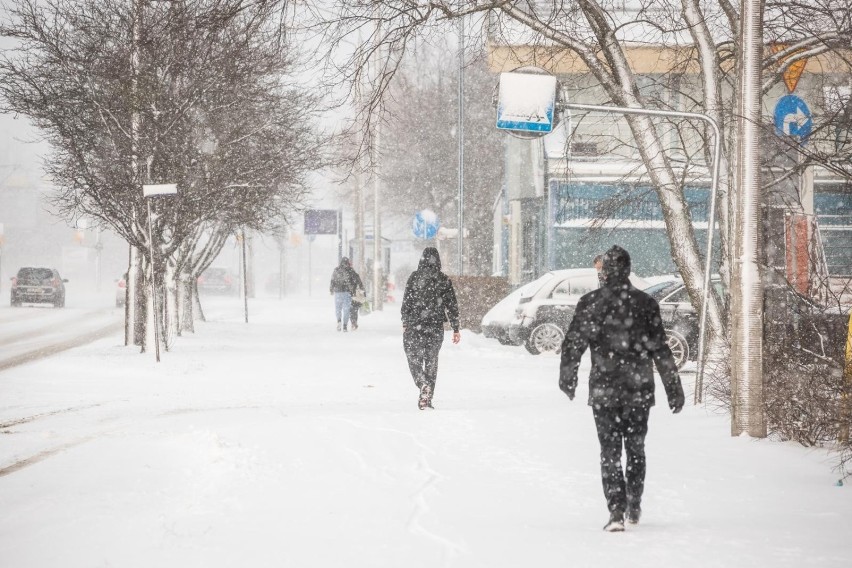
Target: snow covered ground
{"points": [[284, 443]]}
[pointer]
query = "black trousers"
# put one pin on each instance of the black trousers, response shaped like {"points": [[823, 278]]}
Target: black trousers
{"points": [[355, 307], [622, 426], [421, 348]]}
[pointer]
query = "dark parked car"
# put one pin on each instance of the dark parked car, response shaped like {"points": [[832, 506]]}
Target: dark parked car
{"points": [[35, 284], [121, 291], [218, 281], [679, 317], [546, 308]]}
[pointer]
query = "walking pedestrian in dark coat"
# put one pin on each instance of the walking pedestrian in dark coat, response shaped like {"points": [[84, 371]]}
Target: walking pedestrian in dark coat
{"points": [[429, 301], [624, 331], [343, 284]]}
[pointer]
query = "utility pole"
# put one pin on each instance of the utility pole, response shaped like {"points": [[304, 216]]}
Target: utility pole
{"points": [[747, 414], [378, 264], [244, 275], [360, 213], [461, 149]]}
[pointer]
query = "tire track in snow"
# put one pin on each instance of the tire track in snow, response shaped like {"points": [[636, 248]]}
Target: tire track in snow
{"points": [[26, 419], [451, 549], [41, 456], [60, 346]]}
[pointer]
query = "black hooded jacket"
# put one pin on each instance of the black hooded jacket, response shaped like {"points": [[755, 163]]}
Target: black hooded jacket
{"points": [[623, 328], [429, 298], [344, 278]]}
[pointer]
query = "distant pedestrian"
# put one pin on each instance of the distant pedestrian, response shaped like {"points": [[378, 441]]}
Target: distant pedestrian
{"points": [[429, 301], [343, 285], [358, 299], [623, 329], [598, 264]]}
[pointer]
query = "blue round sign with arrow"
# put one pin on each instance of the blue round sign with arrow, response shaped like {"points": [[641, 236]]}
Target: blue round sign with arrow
{"points": [[425, 224], [793, 118]]}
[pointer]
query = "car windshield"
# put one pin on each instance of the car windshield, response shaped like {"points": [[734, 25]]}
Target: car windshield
{"points": [[679, 297], [575, 286], [673, 295], [531, 288], [657, 291], [35, 274]]}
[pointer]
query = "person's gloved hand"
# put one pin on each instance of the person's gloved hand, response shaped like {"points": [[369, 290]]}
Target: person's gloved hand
{"points": [[676, 403], [565, 382]]}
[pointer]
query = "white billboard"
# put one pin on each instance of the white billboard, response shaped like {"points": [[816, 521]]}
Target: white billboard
{"points": [[526, 102]]}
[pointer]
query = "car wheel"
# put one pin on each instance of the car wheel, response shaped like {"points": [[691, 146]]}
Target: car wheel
{"points": [[545, 338], [679, 346], [15, 303], [59, 303]]}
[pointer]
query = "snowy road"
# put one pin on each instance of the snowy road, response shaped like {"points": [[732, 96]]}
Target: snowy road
{"points": [[284, 443], [33, 332]]}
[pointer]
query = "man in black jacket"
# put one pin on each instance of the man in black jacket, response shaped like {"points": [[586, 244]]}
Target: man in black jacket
{"points": [[623, 328], [428, 302]]}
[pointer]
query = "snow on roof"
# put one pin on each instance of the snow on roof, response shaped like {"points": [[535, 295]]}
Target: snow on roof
{"points": [[636, 23]]}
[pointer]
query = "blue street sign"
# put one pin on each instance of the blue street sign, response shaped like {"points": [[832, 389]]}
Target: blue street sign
{"points": [[321, 222], [425, 225], [526, 102], [793, 118]]}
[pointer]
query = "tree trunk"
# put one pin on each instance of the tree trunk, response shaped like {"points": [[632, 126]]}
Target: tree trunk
{"points": [[136, 279], [149, 337], [196, 301], [170, 304], [185, 299]]}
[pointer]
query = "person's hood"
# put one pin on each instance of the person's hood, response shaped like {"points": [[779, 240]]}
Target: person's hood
{"points": [[430, 260], [616, 266], [344, 263]]}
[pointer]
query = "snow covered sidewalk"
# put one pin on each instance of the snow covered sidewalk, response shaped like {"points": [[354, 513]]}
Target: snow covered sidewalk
{"points": [[284, 443]]}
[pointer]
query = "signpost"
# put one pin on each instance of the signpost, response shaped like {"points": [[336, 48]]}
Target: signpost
{"points": [[793, 118], [325, 222], [426, 224], [526, 103], [321, 221], [311, 238], [151, 191], [793, 71]]}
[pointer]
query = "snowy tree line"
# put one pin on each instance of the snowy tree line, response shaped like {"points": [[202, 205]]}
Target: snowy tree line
{"points": [[197, 93]]}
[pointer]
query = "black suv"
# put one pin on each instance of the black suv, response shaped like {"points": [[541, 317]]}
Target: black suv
{"points": [[35, 284], [679, 317]]}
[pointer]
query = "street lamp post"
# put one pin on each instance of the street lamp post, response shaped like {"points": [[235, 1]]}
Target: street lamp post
{"points": [[461, 149]]}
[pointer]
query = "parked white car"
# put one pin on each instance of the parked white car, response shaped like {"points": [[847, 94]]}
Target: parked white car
{"points": [[495, 323], [544, 313]]}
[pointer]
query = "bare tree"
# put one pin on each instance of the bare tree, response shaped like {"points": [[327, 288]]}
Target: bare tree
{"points": [[193, 93], [420, 167]]}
